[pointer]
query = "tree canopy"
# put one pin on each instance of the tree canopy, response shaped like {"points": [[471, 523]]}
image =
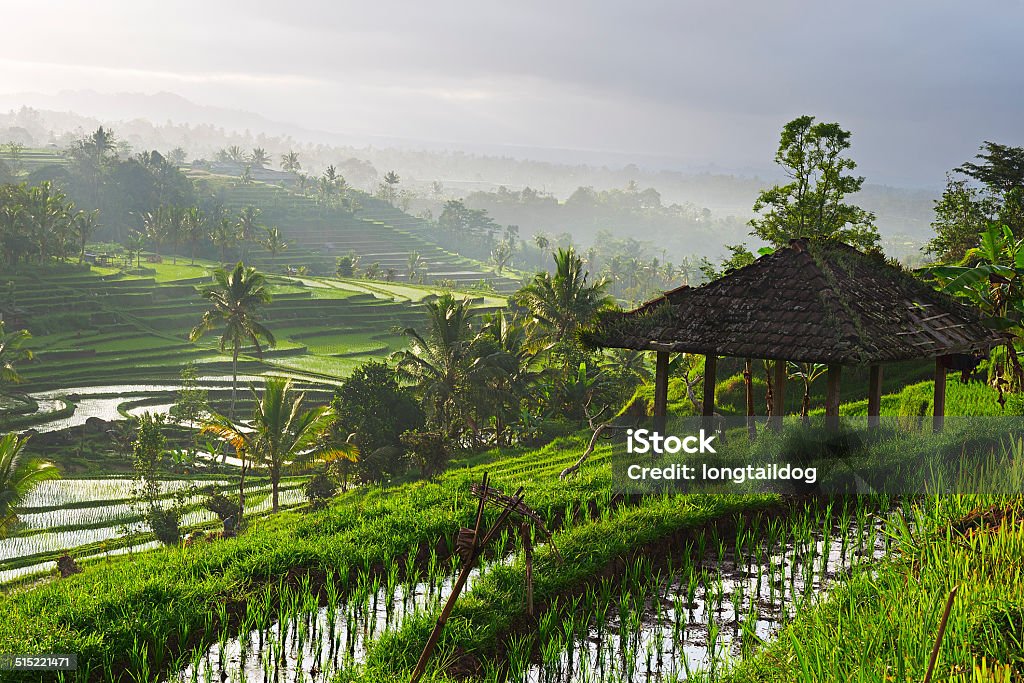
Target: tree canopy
{"points": [[812, 203]]}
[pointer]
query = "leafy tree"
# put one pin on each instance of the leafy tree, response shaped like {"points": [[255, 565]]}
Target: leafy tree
{"points": [[149, 458], [235, 302], [347, 265], [371, 405], [12, 352], [961, 215], [1001, 167], [192, 401], [18, 476], [429, 450], [739, 256], [811, 204]]}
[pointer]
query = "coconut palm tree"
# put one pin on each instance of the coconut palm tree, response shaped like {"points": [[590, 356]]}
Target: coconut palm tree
{"points": [[259, 158], [561, 304], [280, 435], [290, 162], [224, 236], [235, 302], [154, 226], [84, 225], [285, 435], [437, 363], [273, 242], [18, 476], [193, 228], [12, 351], [249, 223], [505, 370]]}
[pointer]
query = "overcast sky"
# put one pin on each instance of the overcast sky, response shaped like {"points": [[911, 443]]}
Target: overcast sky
{"points": [[919, 82]]}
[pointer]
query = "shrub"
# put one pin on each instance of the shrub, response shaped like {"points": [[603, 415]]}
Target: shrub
{"points": [[319, 489], [428, 450], [165, 523]]}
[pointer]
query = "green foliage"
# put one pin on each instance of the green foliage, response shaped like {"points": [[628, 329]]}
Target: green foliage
{"points": [[372, 405], [429, 451], [563, 303], [18, 476], [319, 489], [12, 352], [811, 204]]}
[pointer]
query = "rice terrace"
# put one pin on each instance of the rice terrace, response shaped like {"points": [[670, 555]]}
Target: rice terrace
{"points": [[326, 395]]}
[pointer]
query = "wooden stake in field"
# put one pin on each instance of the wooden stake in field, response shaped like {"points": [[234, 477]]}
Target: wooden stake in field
{"points": [[938, 637], [470, 547]]}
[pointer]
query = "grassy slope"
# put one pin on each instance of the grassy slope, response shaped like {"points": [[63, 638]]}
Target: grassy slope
{"points": [[882, 627]]}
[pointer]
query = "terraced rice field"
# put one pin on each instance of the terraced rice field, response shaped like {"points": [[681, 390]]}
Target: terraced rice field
{"points": [[132, 330]]}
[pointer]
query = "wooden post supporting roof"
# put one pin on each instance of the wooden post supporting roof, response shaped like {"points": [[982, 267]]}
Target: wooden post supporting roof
{"points": [[779, 394], [660, 390], [748, 384], [832, 396], [710, 372], [939, 401], [874, 395]]}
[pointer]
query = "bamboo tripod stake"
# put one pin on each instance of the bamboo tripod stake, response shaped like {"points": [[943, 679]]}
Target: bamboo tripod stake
{"points": [[469, 561]]}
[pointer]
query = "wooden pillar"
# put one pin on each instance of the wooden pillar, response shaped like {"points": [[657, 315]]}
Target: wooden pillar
{"points": [[710, 372], [874, 395], [940, 395], [528, 555], [832, 396], [660, 390], [778, 394], [748, 383]]}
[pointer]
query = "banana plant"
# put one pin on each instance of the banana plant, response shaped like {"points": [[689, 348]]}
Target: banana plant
{"points": [[994, 282]]}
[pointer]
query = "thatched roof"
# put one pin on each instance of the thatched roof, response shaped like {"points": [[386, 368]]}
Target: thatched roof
{"points": [[814, 301]]}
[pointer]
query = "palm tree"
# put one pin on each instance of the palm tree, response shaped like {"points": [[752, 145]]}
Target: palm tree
{"points": [[290, 162], [235, 302], [505, 369], [224, 236], [18, 476], [563, 303], [193, 228], [414, 265], [135, 243], [259, 158], [279, 435], [174, 222], [234, 153], [84, 225], [12, 351], [249, 223], [274, 243], [155, 228], [437, 363], [284, 435]]}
